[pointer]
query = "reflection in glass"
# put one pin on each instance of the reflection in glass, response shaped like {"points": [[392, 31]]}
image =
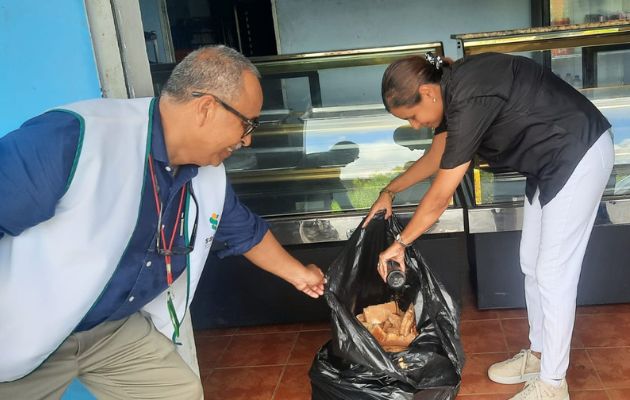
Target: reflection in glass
{"points": [[325, 142], [342, 162], [566, 12], [601, 73]]}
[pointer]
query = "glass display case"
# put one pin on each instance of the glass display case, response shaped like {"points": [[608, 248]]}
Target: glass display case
{"points": [[595, 59], [566, 12], [326, 145], [325, 148]]}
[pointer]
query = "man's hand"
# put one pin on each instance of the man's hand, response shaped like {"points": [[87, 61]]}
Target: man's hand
{"points": [[270, 256], [310, 281]]}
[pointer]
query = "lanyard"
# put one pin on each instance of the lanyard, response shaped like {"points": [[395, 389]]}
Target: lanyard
{"points": [[167, 248], [158, 206]]}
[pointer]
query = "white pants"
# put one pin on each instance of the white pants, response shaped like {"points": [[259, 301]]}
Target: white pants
{"points": [[552, 249]]}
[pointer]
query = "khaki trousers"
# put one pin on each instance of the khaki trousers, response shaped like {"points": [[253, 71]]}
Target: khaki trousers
{"points": [[126, 359]]}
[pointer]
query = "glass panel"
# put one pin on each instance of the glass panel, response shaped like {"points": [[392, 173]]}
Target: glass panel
{"points": [[326, 160], [566, 12], [613, 68], [493, 187], [349, 86], [326, 143], [602, 74], [567, 64]]}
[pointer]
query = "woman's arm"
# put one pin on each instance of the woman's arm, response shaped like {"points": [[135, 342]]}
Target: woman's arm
{"points": [[426, 166], [433, 204]]}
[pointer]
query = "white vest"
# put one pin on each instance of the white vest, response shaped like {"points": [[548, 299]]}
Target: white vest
{"points": [[52, 274]]}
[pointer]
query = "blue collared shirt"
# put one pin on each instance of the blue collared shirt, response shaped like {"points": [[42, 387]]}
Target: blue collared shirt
{"points": [[35, 163]]}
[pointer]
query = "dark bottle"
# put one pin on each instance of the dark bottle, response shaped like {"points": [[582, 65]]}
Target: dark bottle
{"points": [[395, 275]]}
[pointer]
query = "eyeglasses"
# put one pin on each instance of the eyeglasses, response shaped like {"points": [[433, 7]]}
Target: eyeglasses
{"points": [[249, 124], [180, 250]]}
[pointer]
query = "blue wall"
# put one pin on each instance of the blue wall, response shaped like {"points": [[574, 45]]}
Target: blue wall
{"points": [[46, 58]]}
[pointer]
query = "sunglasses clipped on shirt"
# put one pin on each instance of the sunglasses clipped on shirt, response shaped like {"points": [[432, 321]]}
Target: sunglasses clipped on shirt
{"points": [[180, 250], [249, 124]]}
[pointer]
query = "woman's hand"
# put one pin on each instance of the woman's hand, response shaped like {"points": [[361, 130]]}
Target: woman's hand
{"points": [[394, 252], [384, 202], [310, 281]]}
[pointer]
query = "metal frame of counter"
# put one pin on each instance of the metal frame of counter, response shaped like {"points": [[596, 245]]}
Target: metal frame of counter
{"points": [[285, 229], [509, 218], [544, 38]]}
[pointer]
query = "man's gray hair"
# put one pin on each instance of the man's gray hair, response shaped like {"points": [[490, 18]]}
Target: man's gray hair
{"points": [[211, 69]]}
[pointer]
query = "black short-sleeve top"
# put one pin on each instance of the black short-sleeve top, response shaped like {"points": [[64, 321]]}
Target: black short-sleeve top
{"points": [[517, 114]]}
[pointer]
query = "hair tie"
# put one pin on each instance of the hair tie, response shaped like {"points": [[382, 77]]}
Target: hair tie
{"points": [[436, 61]]}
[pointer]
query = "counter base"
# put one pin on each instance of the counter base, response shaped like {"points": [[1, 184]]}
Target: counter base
{"points": [[233, 292], [605, 278]]}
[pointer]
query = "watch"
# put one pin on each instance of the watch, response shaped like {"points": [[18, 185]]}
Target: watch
{"points": [[391, 194], [399, 240]]}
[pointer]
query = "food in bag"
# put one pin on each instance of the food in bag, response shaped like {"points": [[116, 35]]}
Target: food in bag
{"points": [[393, 329]]}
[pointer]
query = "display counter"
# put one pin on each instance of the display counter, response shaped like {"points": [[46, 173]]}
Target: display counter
{"points": [[595, 59], [325, 148]]}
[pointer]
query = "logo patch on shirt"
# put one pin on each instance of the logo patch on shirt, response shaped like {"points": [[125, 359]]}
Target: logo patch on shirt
{"points": [[214, 221], [208, 241]]}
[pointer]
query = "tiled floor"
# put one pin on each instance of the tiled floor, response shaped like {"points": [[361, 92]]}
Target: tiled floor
{"points": [[272, 362]]}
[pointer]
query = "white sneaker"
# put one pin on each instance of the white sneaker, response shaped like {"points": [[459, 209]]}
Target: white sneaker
{"points": [[518, 369], [539, 390]]}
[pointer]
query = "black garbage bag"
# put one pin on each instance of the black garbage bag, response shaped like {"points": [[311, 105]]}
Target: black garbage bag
{"points": [[352, 365]]}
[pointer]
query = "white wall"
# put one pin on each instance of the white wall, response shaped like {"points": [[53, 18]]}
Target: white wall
{"points": [[314, 25], [319, 25]]}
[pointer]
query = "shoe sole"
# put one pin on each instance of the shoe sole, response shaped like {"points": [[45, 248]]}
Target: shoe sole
{"points": [[512, 380]]}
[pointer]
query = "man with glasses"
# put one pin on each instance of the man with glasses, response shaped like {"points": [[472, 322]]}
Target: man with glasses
{"points": [[109, 209]]}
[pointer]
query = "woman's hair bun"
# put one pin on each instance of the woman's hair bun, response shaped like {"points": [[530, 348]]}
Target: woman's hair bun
{"points": [[434, 60]]}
